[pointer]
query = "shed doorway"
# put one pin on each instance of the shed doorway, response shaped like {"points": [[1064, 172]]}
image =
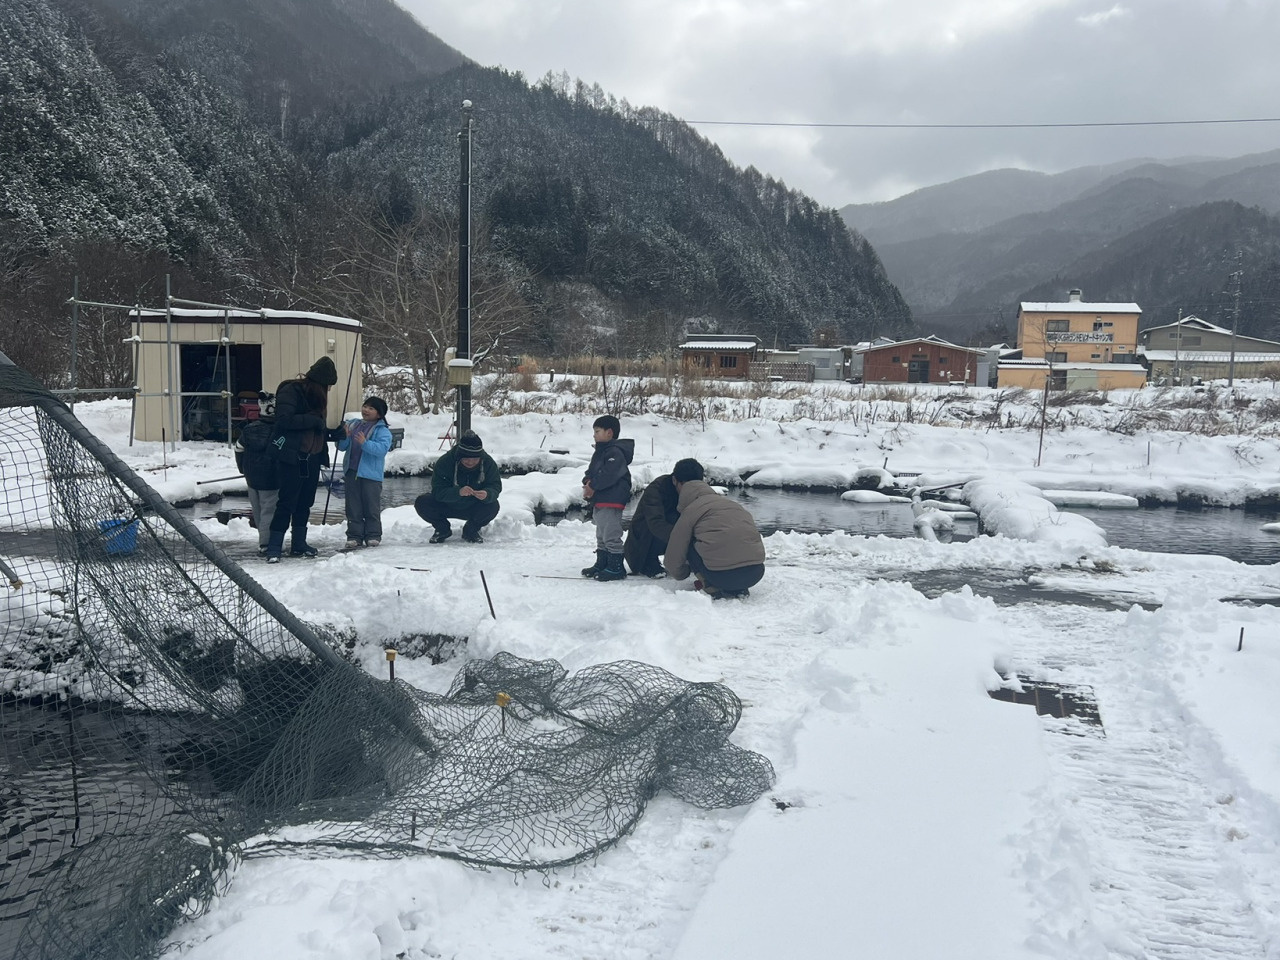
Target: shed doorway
{"points": [[918, 371], [203, 375]]}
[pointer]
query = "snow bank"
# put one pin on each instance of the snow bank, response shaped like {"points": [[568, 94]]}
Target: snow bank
{"points": [[1011, 508]]}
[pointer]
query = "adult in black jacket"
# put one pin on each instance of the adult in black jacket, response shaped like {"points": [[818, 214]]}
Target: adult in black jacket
{"points": [[655, 516], [301, 443], [465, 484]]}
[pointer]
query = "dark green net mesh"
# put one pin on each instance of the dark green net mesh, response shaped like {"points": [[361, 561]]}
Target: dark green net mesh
{"points": [[162, 716]]}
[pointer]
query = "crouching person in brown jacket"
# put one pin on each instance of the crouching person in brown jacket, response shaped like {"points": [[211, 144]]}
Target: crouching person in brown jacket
{"points": [[717, 539]]}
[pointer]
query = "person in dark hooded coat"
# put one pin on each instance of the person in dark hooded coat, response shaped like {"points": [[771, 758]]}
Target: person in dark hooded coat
{"points": [[300, 445], [655, 516]]}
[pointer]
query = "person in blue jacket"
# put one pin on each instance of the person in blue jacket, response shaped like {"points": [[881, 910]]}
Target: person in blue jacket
{"points": [[365, 444]]}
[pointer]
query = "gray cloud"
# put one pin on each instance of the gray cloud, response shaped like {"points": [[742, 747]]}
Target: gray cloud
{"points": [[913, 61]]}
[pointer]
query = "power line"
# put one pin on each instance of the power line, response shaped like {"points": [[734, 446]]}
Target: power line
{"points": [[960, 126]]}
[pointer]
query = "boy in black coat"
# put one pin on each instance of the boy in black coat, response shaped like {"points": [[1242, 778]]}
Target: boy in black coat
{"points": [[607, 487], [655, 516]]}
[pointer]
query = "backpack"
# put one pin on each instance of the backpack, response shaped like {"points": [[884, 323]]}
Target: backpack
{"points": [[255, 436]]}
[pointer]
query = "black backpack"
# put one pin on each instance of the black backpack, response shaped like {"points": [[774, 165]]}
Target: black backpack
{"points": [[255, 436]]}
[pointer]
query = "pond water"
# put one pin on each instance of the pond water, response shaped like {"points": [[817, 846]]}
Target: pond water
{"points": [[1236, 534]]}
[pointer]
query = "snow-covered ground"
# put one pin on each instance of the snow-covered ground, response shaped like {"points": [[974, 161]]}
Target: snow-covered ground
{"points": [[914, 815]]}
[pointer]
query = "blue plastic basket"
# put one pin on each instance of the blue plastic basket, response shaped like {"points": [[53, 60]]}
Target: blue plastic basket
{"points": [[121, 535]]}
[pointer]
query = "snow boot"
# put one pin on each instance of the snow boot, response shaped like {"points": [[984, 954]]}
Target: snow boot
{"points": [[602, 561], [275, 546], [613, 569]]}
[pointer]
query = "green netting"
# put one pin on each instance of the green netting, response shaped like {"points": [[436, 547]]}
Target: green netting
{"points": [[162, 716]]}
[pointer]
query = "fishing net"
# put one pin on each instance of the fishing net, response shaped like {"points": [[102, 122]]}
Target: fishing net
{"points": [[163, 716]]}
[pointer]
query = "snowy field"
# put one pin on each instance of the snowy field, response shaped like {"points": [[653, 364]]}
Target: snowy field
{"points": [[914, 816]]}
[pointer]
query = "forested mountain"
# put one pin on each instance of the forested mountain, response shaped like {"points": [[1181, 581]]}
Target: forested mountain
{"points": [[306, 154], [965, 253]]}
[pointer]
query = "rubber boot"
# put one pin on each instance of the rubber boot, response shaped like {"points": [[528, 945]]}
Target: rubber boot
{"points": [[613, 570], [602, 561], [275, 546], [298, 546]]}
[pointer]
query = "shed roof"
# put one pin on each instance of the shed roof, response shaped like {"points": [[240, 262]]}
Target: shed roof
{"points": [[931, 339], [719, 345], [244, 315], [1210, 356], [1077, 306]]}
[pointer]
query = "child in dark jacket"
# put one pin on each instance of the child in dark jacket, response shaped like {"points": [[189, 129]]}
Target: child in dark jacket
{"points": [[607, 487], [254, 458]]}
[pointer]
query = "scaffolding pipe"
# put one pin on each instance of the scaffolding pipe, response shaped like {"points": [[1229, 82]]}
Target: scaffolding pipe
{"points": [[168, 321]]}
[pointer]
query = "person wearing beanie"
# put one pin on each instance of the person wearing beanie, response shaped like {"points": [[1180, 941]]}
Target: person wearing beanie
{"points": [[365, 443], [300, 445], [607, 487], [655, 517], [323, 372], [465, 484]]}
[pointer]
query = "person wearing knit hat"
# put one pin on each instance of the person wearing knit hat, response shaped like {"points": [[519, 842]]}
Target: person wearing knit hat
{"points": [[323, 372], [365, 443], [465, 484], [300, 444]]}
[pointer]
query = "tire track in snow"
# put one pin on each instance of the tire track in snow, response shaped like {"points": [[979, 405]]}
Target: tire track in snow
{"points": [[1169, 877]]}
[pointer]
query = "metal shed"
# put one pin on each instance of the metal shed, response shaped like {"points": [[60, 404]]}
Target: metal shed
{"points": [[199, 371]]}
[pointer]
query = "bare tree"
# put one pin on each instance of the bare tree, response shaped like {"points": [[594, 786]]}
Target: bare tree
{"points": [[398, 275]]}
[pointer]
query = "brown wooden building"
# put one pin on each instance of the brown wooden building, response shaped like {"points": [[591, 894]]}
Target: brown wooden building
{"points": [[719, 356], [924, 360]]}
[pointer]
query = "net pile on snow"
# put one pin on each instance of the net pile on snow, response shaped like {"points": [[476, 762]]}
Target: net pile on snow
{"points": [[161, 714]]}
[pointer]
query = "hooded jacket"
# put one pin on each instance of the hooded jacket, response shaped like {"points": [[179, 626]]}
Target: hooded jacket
{"points": [[299, 428], [651, 527], [609, 473], [722, 530]]}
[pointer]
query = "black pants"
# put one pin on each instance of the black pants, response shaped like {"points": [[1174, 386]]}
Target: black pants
{"points": [[739, 578], [298, 481], [474, 515]]}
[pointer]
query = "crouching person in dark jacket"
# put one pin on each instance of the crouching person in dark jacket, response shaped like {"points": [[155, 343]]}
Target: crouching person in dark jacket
{"points": [[717, 539], [464, 485], [655, 518]]}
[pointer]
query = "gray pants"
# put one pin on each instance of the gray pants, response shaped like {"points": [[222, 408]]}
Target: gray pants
{"points": [[263, 504], [608, 528], [364, 507]]}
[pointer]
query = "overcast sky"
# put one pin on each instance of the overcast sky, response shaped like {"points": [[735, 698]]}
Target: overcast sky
{"points": [[906, 61]]}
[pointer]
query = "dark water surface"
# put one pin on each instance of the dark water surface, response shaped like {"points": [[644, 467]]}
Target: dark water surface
{"points": [[1236, 534]]}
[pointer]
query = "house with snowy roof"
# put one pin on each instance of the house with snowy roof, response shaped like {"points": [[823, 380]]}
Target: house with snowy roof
{"points": [[719, 355], [1076, 345], [1192, 347], [922, 360]]}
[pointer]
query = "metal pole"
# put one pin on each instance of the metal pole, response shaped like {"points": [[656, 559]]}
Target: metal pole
{"points": [[224, 348], [1235, 322], [464, 266], [75, 336], [1177, 353], [168, 338]]}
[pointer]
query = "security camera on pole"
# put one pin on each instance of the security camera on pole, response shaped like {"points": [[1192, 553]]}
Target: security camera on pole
{"points": [[460, 364]]}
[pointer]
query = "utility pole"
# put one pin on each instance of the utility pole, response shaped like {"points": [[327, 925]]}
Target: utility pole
{"points": [[460, 365], [1177, 352], [1235, 322]]}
